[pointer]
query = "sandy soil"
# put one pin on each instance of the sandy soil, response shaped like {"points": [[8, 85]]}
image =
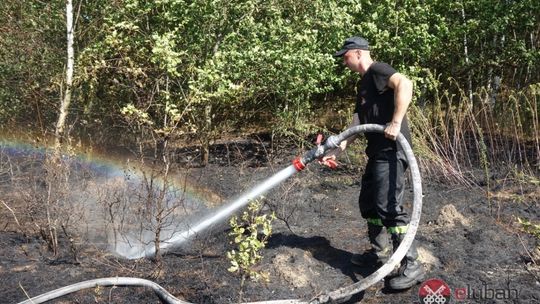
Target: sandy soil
{"points": [[464, 240]]}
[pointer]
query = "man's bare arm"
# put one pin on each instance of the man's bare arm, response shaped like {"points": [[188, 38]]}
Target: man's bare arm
{"points": [[403, 90]]}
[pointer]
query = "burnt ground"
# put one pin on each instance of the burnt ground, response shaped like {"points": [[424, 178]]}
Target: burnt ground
{"points": [[465, 240]]}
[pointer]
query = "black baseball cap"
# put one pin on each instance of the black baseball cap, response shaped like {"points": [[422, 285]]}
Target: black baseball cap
{"points": [[353, 43]]}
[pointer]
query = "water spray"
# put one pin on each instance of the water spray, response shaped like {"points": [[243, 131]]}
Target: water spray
{"points": [[216, 216], [131, 251], [299, 164]]}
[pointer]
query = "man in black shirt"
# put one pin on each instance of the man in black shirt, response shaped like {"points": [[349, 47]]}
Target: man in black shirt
{"points": [[383, 97]]}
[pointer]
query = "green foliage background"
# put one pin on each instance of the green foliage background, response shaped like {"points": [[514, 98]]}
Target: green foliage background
{"points": [[224, 66]]}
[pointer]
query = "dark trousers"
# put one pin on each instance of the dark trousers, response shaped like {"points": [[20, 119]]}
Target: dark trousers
{"points": [[381, 196]]}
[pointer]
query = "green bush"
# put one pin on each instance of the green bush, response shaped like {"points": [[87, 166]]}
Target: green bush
{"points": [[250, 234]]}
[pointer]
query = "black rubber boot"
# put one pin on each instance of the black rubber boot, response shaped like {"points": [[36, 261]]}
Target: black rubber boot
{"points": [[411, 271], [380, 248]]}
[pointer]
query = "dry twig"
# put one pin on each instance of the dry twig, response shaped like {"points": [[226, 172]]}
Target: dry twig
{"points": [[12, 212]]}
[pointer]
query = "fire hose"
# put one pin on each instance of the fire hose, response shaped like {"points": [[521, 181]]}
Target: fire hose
{"points": [[336, 296]]}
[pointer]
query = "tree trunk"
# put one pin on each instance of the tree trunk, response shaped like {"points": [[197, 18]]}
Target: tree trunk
{"points": [[466, 53], [206, 135], [66, 99]]}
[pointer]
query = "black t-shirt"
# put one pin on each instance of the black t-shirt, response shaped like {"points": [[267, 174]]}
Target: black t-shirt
{"points": [[375, 105]]}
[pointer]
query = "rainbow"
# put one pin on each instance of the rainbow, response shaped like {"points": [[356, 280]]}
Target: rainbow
{"points": [[125, 178]]}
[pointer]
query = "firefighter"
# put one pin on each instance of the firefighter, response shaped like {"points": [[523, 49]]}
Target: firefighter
{"points": [[383, 96]]}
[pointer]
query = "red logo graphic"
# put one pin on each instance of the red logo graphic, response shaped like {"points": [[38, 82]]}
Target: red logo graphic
{"points": [[434, 291]]}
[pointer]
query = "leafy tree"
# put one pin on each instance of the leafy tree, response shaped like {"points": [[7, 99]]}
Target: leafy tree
{"points": [[228, 65], [32, 53], [225, 62]]}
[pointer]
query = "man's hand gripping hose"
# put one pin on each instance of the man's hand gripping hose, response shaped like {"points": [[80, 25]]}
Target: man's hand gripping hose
{"points": [[329, 162], [318, 153]]}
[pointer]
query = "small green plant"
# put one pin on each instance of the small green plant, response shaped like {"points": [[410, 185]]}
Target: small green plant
{"points": [[250, 234], [527, 226], [532, 229], [523, 176]]}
